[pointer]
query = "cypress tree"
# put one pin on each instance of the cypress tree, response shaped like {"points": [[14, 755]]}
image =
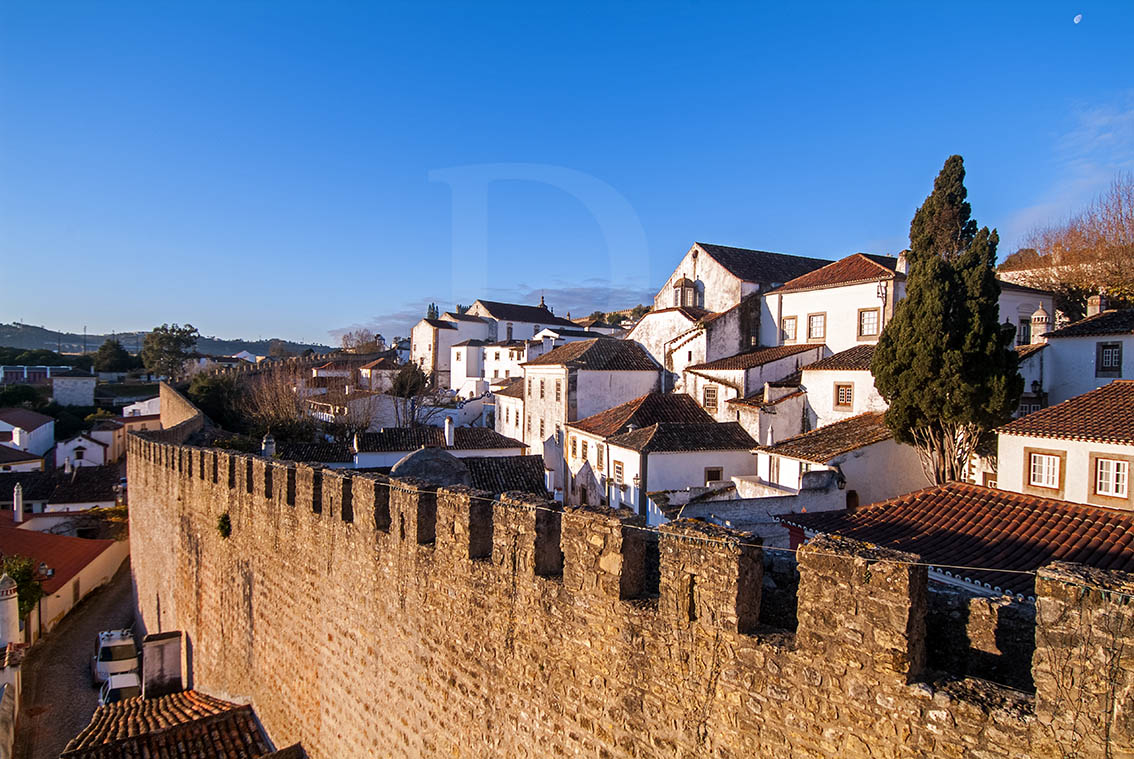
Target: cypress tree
{"points": [[944, 363]]}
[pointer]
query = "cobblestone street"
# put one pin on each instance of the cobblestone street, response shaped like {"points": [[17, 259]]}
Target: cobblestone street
{"points": [[58, 698]]}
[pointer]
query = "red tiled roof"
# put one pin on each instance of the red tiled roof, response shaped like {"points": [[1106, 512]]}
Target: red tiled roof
{"points": [[394, 439], [67, 556], [855, 359], [599, 354], [821, 445], [1024, 352], [25, 419], [186, 725], [642, 412], [754, 358], [760, 265], [381, 363], [1105, 415], [1106, 323], [503, 474], [972, 526], [674, 437], [854, 269], [514, 389]]}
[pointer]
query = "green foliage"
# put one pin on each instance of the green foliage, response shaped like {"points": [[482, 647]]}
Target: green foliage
{"points": [[26, 396], [166, 348], [463, 309], [38, 357], [432, 312], [98, 416], [218, 395], [69, 420], [639, 311], [112, 357], [23, 570], [409, 382], [598, 316], [240, 443], [224, 525], [944, 363]]}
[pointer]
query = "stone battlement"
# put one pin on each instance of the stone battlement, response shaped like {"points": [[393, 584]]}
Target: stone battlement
{"points": [[366, 616]]}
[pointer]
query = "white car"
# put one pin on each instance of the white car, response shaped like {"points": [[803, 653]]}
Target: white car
{"points": [[119, 688], [115, 654]]}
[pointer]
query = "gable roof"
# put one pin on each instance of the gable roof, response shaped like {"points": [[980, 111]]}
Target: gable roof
{"points": [[969, 525], [675, 437], [598, 354], [471, 343], [9, 455], [1027, 351], [185, 725], [503, 474], [395, 439], [854, 269], [1112, 322], [856, 359], [439, 324], [755, 357], [821, 445], [452, 316], [381, 363], [25, 419], [760, 265], [642, 412], [1105, 415], [326, 453], [514, 389], [517, 312], [67, 556]]}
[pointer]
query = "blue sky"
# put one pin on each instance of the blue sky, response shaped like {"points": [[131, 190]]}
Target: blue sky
{"points": [[292, 169]]}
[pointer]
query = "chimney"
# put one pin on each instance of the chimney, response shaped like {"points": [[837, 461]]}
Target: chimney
{"points": [[18, 503], [268, 446], [161, 665], [9, 612], [1040, 325], [1096, 304], [67, 465], [903, 265], [448, 432], [354, 441]]}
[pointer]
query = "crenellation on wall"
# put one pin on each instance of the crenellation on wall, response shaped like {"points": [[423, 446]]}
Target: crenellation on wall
{"points": [[863, 604], [710, 576], [358, 641]]}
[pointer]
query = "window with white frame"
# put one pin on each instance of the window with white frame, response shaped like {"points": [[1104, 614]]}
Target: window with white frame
{"points": [[868, 322], [1112, 478], [817, 327], [1043, 470], [1108, 359]]}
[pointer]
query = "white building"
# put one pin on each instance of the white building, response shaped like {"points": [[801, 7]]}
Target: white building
{"points": [[361, 409], [13, 460], [841, 386], [378, 375], [577, 380], [1080, 450], [1089, 354], [26, 430], [509, 399], [872, 465], [673, 457], [744, 375], [587, 465], [81, 450], [776, 412], [73, 388], [147, 407]]}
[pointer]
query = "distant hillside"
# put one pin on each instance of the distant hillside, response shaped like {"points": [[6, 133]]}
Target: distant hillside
{"points": [[26, 336]]}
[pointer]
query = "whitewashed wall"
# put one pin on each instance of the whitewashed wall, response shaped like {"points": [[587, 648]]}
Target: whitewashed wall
{"points": [[1077, 478], [1070, 365], [820, 388]]}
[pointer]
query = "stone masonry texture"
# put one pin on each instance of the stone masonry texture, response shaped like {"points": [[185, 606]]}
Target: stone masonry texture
{"points": [[376, 618]]}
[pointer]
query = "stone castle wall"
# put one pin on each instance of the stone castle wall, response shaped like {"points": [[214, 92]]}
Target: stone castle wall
{"points": [[365, 617]]}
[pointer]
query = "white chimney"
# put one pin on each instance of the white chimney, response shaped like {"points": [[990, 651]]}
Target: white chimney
{"points": [[903, 265], [18, 503], [268, 446], [67, 465], [354, 443], [1040, 325], [448, 432], [1096, 304]]}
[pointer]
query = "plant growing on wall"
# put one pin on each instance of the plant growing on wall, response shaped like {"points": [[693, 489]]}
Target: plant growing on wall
{"points": [[224, 525], [944, 363], [29, 590]]}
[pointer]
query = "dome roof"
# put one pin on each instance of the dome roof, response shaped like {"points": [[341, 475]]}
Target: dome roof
{"points": [[683, 282], [434, 465]]}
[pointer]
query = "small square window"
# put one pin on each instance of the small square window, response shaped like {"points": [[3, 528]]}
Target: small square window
{"points": [[787, 329], [1108, 359], [844, 395], [714, 474], [1044, 470]]}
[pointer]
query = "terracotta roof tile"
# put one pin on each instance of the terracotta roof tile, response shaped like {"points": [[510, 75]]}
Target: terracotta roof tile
{"points": [[753, 358], [381, 363], [503, 474], [1105, 415], [394, 439], [186, 725], [599, 354], [853, 359], [325, 453], [1027, 351], [760, 265], [1107, 323], [514, 389], [642, 412], [968, 525], [860, 267], [450, 316], [821, 445], [85, 484], [439, 324], [672, 437], [65, 555], [9, 455]]}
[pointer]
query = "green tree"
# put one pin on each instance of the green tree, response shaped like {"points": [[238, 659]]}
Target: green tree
{"points": [[27, 396], [218, 395], [598, 316], [29, 590], [166, 348], [639, 311], [432, 312], [944, 363], [112, 357], [409, 387]]}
